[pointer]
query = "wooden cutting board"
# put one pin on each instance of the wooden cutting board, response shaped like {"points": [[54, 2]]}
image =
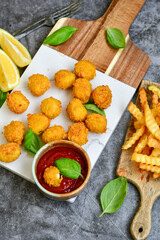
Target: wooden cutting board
{"points": [[128, 65], [149, 188]]}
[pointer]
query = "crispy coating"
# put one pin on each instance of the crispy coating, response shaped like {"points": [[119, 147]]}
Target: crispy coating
{"points": [[96, 123], [51, 107], [38, 122], [17, 102], [82, 89], [64, 79], [76, 111], [52, 176], [56, 132], [85, 69], [102, 96], [14, 132], [78, 133], [38, 84], [9, 152]]}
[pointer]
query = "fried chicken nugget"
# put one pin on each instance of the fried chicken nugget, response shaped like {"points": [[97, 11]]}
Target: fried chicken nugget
{"points": [[64, 79], [76, 111], [14, 132], [38, 122], [85, 69], [78, 133], [102, 96], [56, 132], [96, 123], [51, 107], [38, 84], [17, 102], [9, 152], [82, 89]]}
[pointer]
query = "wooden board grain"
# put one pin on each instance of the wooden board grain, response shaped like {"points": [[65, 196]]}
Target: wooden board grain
{"points": [[149, 188], [128, 65]]}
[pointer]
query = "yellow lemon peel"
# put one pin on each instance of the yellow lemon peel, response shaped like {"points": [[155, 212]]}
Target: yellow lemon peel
{"points": [[14, 49], [9, 73]]}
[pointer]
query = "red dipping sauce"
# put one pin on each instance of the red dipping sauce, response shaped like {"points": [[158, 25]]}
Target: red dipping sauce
{"points": [[47, 160]]}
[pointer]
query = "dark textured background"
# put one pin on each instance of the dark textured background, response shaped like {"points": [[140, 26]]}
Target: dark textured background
{"points": [[24, 212]]}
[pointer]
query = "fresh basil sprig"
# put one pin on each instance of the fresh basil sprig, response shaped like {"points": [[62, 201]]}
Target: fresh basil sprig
{"points": [[3, 97], [116, 38], [93, 108], [69, 168], [32, 142], [113, 195], [60, 36]]}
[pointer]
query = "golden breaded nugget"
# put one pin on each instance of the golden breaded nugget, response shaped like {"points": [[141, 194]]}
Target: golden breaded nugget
{"points": [[38, 84], [38, 122], [56, 132], [78, 133], [17, 102], [102, 96], [76, 111], [82, 89], [96, 123], [85, 69], [52, 176], [51, 107], [14, 132], [9, 152], [64, 79]]}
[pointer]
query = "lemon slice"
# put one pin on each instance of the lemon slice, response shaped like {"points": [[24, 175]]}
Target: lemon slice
{"points": [[14, 49], [9, 73]]}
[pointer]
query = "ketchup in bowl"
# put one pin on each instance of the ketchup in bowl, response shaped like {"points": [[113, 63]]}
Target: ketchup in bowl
{"points": [[67, 184]]}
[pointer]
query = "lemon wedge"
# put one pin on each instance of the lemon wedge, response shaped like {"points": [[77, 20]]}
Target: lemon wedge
{"points": [[14, 49], [9, 73]]}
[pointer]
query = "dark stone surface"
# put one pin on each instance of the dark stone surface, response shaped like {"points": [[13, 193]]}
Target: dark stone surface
{"points": [[24, 212]]}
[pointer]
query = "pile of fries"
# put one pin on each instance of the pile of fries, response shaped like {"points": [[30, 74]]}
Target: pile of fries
{"points": [[146, 138]]}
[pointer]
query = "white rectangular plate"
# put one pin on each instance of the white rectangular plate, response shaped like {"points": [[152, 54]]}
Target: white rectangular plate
{"points": [[47, 61]]}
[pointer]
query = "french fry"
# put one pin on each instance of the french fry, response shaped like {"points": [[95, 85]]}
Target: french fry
{"points": [[152, 142], [141, 158], [157, 118], [151, 122], [135, 112], [149, 168], [156, 175], [142, 96], [155, 99], [155, 152], [139, 132], [153, 88], [137, 124], [141, 143]]}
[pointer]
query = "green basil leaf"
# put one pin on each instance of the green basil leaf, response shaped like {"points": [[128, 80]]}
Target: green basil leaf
{"points": [[113, 195], [69, 168], [60, 36], [116, 38], [3, 97], [93, 108], [32, 142]]}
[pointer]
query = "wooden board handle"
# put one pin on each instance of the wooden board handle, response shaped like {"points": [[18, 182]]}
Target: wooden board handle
{"points": [[121, 13], [141, 224]]}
